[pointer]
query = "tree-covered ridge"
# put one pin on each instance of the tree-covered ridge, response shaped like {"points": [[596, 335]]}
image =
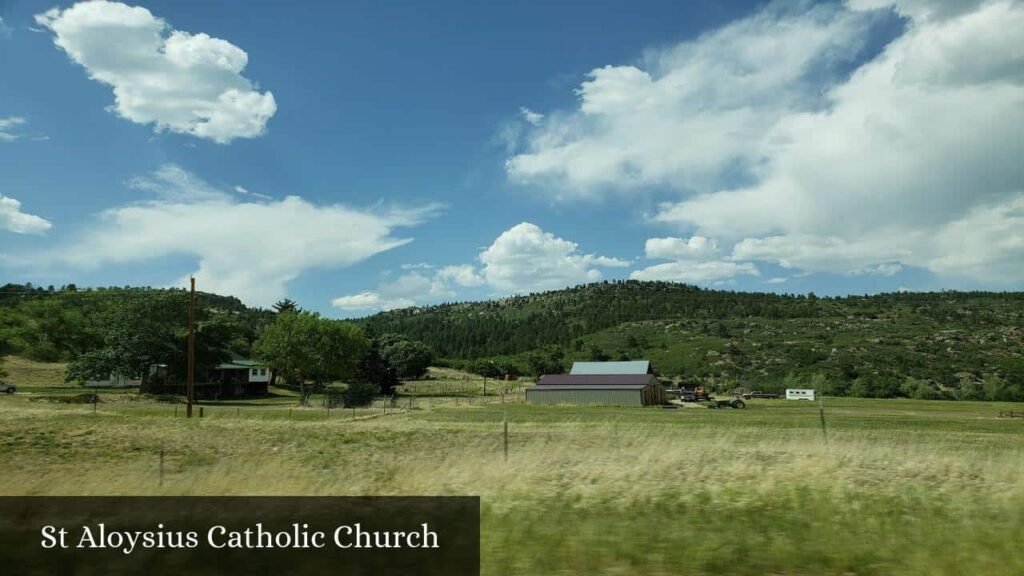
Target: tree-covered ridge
{"points": [[944, 344], [521, 323]]}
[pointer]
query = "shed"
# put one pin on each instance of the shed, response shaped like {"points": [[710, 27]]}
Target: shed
{"points": [[627, 367], [597, 390]]}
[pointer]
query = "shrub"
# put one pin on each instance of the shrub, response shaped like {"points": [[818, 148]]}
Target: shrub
{"points": [[970, 390], [359, 394], [84, 398]]}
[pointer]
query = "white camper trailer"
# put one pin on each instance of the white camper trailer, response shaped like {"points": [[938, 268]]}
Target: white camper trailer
{"points": [[799, 394]]}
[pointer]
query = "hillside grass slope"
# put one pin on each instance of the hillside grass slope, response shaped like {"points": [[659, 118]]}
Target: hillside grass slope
{"points": [[965, 345]]}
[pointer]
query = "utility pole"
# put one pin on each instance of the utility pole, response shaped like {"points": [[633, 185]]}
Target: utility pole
{"points": [[191, 346], [491, 362]]}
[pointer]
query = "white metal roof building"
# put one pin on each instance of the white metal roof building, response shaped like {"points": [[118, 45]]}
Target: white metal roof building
{"points": [[628, 367]]}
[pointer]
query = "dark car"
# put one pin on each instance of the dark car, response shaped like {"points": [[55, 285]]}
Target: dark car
{"points": [[7, 388]]}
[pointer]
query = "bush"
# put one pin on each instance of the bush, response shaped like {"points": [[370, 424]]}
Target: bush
{"points": [[999, 390], [374, 369], [875, 386], [970, 390], [166, 398], [359, 394], [334, 397], [409, 359], [85, 398], [42, 352], [546, 362], [486, 368], [920, 390]]}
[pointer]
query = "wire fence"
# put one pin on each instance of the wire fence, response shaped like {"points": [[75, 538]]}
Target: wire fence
{"points": [[43, 385], [107, 405]]}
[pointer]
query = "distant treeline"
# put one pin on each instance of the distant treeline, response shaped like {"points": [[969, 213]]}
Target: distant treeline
{"points": [[126, 331], [61, 323], [955, 345]]}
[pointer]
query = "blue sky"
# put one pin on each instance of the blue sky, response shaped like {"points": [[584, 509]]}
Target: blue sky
{"points": [[360, 156]]}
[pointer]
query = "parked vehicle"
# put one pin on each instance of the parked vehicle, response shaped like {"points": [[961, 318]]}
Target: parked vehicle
{"points": [[700, 394], [759, 394], [734, 403], [7, 388], [697, 394], [799, 394]]}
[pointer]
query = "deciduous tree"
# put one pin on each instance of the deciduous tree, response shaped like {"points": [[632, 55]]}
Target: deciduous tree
{"points": [[307, 348]]}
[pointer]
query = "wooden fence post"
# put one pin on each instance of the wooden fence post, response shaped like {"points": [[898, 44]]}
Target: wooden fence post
{"points": [[821, 412]]}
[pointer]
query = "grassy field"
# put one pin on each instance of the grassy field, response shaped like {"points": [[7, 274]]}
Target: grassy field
{"points": [[900, 486], [28, 374]]}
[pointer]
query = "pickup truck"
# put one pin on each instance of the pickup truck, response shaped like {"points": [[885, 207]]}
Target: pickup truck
{"points": [[7, 388], [759, 394]]}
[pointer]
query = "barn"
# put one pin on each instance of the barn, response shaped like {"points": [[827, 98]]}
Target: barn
{"points": [[600, 384]]}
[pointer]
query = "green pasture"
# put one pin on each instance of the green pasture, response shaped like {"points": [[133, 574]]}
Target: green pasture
{"points": [[899, 487]]}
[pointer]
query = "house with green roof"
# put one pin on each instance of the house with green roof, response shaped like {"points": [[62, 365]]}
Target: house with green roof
{"points": [[239, 377]]}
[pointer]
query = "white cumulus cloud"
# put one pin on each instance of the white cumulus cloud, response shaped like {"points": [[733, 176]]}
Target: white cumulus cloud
{"points": [[247, 249], [533, 118], [14, 220], [462, 275], [405, 291], [695, 272], [417, 266], [178, 81], [910, 159], [523, 258], [691, 114], [370, 301], [695, 260], [8, 127], [695, 247]]}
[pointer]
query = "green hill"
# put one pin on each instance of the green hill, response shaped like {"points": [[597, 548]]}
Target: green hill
{"points": [[964, 345], [947, 344]]}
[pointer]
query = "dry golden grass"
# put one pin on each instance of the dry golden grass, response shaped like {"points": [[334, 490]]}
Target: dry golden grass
{"points": [[29, 374], [899, 488]]}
